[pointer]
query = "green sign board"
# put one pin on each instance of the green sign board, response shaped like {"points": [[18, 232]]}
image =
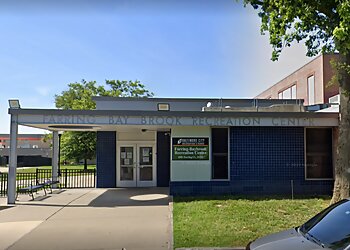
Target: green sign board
{"points": [[190, 149]]}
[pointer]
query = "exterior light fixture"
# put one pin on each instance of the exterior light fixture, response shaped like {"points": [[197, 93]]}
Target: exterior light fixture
{"points": [[163, 107], [14, 104]]}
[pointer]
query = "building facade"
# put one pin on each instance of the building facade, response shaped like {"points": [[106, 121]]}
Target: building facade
{"points": [[311, 83], [33, 150], [203, 146]]}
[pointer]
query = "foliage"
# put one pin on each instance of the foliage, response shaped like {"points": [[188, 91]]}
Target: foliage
{"points": [[79, 95], [82, 145], [232, 221], [78, 145], [325, 27], [47, 139]]}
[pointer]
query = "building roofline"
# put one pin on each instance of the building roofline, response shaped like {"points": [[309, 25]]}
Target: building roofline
{"points": [[163, 99], [320, 55], [168, 113], [25, 135]]}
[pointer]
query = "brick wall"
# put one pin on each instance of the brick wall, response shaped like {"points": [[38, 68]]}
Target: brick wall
{"points": [[106, 159], [264, 160], [299, 77]]}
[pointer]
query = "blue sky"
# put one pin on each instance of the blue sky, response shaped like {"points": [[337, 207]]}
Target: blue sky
{"points": [[177, 48]]}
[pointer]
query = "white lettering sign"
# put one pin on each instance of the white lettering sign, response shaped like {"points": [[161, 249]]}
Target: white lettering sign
{"points": [[178, 120], [69, 119]]}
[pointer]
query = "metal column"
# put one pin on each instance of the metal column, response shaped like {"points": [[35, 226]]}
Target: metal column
{"points": [[11, 191], [55, 150]]}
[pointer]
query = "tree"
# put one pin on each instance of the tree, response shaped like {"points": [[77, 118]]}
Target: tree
{"points": [[47, 139], [325, 27], [79, 145], [82, 145]]}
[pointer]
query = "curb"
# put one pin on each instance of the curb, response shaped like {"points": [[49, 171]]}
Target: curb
{"points": [[171, 235], [212, 248]]}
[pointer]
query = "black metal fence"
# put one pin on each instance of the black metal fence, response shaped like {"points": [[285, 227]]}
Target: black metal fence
{"points": [[3, 184], [78, 178], [69, 178]]}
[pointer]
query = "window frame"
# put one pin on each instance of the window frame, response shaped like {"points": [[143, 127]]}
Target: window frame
{"points": [[307, 88], [228, 155], [289, 92], [305, 157], [280, 93], [290, 86], [296, 91]]}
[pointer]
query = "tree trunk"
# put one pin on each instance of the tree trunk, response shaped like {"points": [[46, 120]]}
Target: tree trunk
{"points": [[85, 164], [342, 165]]}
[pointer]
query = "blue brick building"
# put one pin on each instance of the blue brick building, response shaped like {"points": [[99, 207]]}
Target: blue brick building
{"points": [[204, 146]]}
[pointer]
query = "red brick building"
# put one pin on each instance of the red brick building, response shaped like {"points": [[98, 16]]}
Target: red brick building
{"points": [[310, 82]]}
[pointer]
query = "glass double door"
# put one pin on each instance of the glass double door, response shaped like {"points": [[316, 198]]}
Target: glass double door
{"points": [[136, 166]]}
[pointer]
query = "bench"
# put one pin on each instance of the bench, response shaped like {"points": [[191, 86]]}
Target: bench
{"points": [[35, 188], [49, 184], [30, 190]]}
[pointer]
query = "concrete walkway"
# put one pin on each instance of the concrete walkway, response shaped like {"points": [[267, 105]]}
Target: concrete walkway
{"points": [[88, 219]]}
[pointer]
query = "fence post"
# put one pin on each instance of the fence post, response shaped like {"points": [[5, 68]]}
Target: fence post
{"points": [[65, 177], [1, 184], [7, 184], [94, 177], [37, 175]]}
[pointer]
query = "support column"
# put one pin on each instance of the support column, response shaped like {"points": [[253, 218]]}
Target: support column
{"points": [[55, 152], [11, 188]]}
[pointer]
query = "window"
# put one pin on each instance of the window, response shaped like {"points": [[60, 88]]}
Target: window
{"points": [[294, 92], [289, 93], [219, 140], [319, 160], [311, 90], [331, 226], [280, 95], [333, 100]]}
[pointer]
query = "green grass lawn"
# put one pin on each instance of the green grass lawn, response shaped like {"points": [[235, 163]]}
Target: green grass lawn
{"points": [[33, 169], [234, 222]]}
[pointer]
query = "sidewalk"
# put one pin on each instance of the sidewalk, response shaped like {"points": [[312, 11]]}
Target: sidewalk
{"points": [[87, 219]]}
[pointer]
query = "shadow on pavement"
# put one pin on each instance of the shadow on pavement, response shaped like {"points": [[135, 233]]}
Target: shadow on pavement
{"points": [[5, 207], [132, 197], [116, 197]]}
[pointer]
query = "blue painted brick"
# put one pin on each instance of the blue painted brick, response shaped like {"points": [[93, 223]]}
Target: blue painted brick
{"points": [[264, 160], [106, 159]]}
